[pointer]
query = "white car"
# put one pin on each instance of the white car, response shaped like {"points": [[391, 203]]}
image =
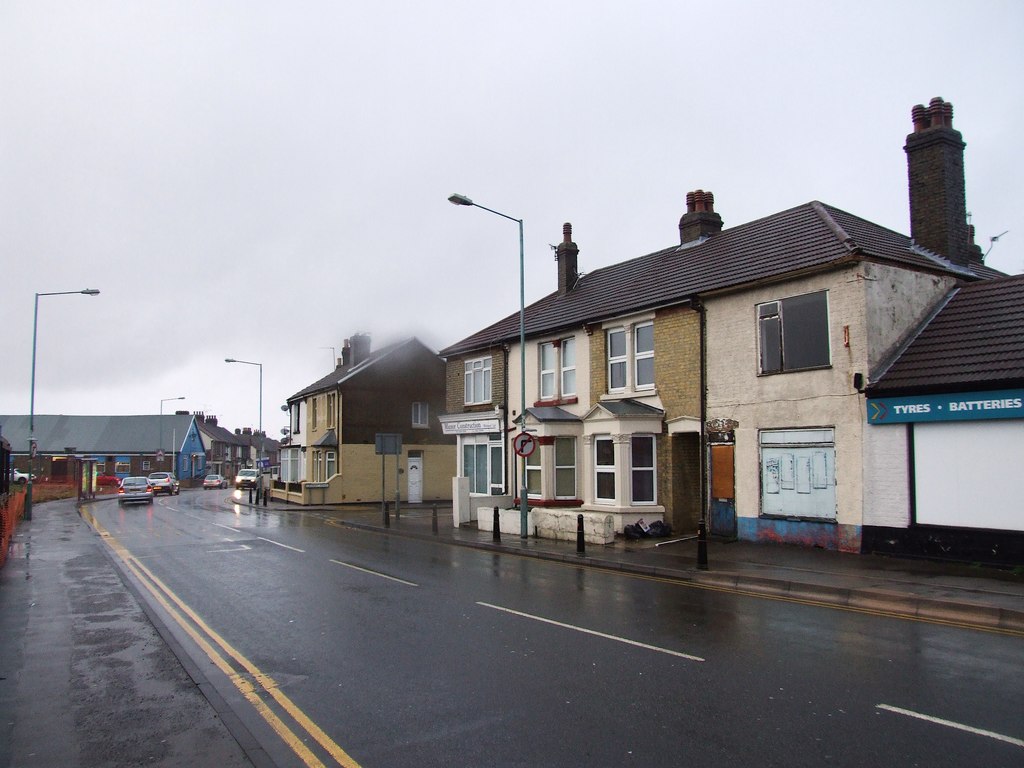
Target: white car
{"points": [[247, 478], [19, 477]]}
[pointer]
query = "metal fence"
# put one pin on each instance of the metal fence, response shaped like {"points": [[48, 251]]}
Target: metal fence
{"points": [[12, 506]]}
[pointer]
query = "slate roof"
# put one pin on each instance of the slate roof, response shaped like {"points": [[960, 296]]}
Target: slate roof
{"points": [[105, 435], [345, 372], [975, 341], [810, 236]]}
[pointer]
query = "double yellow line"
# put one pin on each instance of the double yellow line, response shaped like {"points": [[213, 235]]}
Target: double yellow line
{"points": [[252, 683]]}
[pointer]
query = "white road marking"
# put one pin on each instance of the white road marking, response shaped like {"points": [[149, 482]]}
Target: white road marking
{"points": [[241, 548], [593, 632], [271, 541], [952, 724], [374, 573]]}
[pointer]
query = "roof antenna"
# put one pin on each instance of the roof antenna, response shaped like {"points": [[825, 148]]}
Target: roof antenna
{"points": [[992, 241]]}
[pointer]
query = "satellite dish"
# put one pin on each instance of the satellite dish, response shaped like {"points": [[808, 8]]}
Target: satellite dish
{"points": [[285, 431], [284, 407]]}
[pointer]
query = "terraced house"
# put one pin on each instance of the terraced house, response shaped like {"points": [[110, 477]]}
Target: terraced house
{"points": [[722, 376]]}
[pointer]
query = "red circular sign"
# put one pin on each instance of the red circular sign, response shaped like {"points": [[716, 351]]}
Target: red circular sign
{"points": [[524, 444]]}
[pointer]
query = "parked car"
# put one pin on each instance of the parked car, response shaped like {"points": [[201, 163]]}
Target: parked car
{"points": [[135, 490], [107, 481], [247, 478], [19, 477], [215, 481], [164, 482]]}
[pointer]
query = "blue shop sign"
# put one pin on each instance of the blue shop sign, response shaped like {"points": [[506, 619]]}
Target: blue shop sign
{"points": [[956, 406]]}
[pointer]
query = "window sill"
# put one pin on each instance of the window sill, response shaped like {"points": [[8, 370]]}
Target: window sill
{"points": [[556, 402]]}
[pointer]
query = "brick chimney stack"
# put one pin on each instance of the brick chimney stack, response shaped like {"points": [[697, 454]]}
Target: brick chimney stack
{"points": [[566, 255], [935, 168], [700, 219], [360, 348]]}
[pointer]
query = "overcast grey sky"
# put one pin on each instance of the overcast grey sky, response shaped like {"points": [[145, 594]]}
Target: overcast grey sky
{"points": [[261, 180]]}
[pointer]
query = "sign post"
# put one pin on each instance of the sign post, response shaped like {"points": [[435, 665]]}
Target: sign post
{"points": [[388, 444]]}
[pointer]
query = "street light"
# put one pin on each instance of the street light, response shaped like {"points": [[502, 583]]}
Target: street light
{"points": [[457, 199], [246, 362], [160, 445], [32, 392]]}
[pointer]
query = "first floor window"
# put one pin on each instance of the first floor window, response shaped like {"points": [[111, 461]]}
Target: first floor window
{"points": [[643, 476], [793, 333], [568, 367], [565, 467], [420, 415], [548, 390], [616, 359], [533, 486], [643, 354], [604, 469], [478, 381]]}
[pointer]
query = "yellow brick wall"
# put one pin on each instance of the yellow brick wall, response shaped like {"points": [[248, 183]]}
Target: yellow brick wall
{"points": [[677, 361], [455, 381]]}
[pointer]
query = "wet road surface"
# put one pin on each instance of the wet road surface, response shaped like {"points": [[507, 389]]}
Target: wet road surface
{"points": [[349, 647]]}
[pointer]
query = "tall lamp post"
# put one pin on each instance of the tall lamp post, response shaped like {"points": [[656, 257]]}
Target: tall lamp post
{"points": [[246, 362], [160, 445], [457, 199], [32, 393]]}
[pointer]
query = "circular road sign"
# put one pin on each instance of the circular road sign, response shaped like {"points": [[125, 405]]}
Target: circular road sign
{"points": [[524, 444]]}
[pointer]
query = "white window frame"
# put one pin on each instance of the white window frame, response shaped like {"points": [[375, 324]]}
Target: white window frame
{"points": [[635, 471], [617, 360], [568, 366], [563, 468], [548, 363], [534, 479], [491, 447], [604, 469], [477, 369], [638, 356], [420, 415], [330, 464]]}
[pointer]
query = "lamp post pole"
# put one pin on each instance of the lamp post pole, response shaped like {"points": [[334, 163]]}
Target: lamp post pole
{"points": [[160, 445], [524, 505], [260, 365], [32, 392]]}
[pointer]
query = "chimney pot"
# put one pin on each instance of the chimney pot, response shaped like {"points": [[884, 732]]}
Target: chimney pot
{"points": [[935, 169], [700, 219], [567, 255]]}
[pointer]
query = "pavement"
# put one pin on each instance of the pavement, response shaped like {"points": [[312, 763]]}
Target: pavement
{"points": [[90, 677]]}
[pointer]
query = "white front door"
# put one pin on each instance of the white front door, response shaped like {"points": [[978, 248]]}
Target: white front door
{"points": [[415, 475]]}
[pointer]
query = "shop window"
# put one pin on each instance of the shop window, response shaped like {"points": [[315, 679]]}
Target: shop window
{"points": [[798, 473], [483, 463]]}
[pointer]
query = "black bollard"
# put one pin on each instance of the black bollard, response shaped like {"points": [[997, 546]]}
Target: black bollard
{"points": [[433, 519], [581, 544], [387, 515], [250, 494], [497, 526], [702, 546], [266, 496]]}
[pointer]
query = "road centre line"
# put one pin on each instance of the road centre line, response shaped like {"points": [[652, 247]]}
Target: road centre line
{"points": [[593, 632], [375, 573], [952, 724], [164, 596]]}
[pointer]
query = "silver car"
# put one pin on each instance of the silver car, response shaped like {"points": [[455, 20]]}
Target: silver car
{"points": [[164, 482], [135, 490]]}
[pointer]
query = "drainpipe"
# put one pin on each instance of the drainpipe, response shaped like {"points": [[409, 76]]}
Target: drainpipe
{"points": [[702, 529]]}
